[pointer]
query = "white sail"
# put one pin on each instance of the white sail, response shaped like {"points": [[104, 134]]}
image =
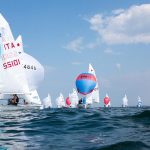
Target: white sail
{"points": [[94, 96], [32, 98], [139, 101], [27, 75], [46, 102], [12, 76], [6, 31], [33, 69], [125, 101], [89, 99], [74, 98], [60, 102], [19, 43]]}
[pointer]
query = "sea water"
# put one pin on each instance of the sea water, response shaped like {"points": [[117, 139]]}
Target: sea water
{"points": [[26, 128]]}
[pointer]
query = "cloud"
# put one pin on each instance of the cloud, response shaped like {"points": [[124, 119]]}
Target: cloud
{"points": [[111, 52], [76, 63], [75, 45], [118, 65], [117, 11], [123, 26], [108, 51]]}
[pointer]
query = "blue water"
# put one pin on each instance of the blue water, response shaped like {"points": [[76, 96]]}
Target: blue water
{"points": [[64, 129]]}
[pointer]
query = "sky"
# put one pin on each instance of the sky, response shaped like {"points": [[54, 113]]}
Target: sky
{"points": [[65, 36]]}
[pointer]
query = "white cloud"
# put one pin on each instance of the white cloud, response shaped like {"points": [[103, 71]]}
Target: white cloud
{"points": [[111, 52], [76, 63], [117, 11], [108, 51], [75, 45], [124, 26], [118, 65]]}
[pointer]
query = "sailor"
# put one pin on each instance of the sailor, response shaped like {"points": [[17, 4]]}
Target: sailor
{"points": [[80, 101], [14, 100]]}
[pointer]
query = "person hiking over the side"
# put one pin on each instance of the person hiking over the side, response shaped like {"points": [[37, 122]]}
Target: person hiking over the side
{"points": [[14, 100]]}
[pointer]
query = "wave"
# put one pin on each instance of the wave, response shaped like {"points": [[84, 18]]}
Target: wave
{"points": [[126, 145], [143, 115]]}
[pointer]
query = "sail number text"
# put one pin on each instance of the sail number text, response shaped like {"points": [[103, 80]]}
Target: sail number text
{"points": [[10, 64], [30, 67]]}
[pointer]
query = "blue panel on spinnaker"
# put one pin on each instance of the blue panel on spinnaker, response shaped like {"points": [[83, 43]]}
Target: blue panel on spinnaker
{"points": [[85, 83]]}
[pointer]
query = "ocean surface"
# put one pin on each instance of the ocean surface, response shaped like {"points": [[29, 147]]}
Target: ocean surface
{"points": [[25, 128]]}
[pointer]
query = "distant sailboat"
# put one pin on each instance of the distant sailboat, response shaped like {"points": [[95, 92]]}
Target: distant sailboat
{"points": [[68, 102], [73, 99], [95, 93], [32, 98], [107, 101], [139, 102], [125, 101], [88, 89], [46, 102], [60, 102], [93, 97]]}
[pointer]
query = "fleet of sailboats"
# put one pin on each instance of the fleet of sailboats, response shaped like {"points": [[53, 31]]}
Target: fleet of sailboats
{"points": [[22, 74]]}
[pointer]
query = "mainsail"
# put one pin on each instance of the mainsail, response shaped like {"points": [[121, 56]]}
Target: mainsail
{"points": [[139, 101], [74, 98], [60, 102], [94, 96], [46, 102], [125, 101], [12, 76], [5, 29], [32, 98]]}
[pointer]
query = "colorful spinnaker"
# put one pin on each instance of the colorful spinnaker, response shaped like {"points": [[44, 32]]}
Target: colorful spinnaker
{"points": [[68, 102], [106, 101], [85, 83]]}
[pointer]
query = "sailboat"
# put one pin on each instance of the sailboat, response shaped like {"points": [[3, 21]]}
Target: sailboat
{"points": [[139, 102], [93, 97], [74, 99], [87, 87], [60, 102], [125, 101], [20, 73], [46, 102], [68, 102], [107, 101]]}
